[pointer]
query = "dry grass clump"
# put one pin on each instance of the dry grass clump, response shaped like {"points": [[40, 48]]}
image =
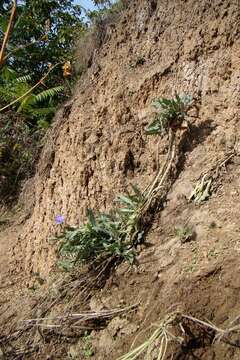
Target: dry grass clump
{"points": [[157, 345]]}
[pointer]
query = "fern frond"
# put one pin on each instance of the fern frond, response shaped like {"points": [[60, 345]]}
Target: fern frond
{"points": [[6, 94], [25, 78], [42, 111], [8, 74], [20, 88], [48, 94], [26, 103]]}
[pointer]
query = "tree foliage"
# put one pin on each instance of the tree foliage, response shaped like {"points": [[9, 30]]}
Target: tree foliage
{"points": [[35, 73], [44, 33], [103, 2]]}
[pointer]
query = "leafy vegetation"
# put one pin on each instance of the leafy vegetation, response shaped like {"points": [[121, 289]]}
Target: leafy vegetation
{"points": [[29, 104], [185, 233], [104, 235], [87, 346], [37, 71], [120, 231], [36, 37], [170, 113], [19, 149], [44, 33], [110, 5]]}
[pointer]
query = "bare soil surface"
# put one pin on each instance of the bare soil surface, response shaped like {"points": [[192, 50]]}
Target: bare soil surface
{"points": [[98, 146]]}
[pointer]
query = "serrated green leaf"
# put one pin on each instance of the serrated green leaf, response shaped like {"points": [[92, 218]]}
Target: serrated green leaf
{"points": [[125, 200], [153, 130], [48, 94]]}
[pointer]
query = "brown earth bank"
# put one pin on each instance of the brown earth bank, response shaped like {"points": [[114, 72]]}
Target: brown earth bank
{"points": [[98, 146]]}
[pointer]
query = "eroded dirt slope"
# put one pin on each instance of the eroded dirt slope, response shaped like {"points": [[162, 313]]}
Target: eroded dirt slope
{"points": [[189, 47], [98, 146]]}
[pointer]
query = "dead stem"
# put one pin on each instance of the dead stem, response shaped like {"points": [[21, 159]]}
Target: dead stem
{"points": [[76, 318], [162, 170]]}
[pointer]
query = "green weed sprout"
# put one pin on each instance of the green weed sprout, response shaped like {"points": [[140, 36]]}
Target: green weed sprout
{"points": [[185, 233]]}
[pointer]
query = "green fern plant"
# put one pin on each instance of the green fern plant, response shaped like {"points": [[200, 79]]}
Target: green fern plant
{"points": [[30, 105], [35, 106], [47, 94], [24, 78], [170, 113]]}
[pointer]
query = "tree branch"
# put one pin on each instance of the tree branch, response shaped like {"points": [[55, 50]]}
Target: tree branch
{"points": [[7, 33]]}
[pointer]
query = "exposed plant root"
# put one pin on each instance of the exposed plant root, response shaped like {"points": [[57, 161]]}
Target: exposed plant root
{"points": [[172, 324], [67, 293]]}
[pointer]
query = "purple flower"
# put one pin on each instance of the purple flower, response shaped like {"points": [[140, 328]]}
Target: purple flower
{"points": [[59, 219]]}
